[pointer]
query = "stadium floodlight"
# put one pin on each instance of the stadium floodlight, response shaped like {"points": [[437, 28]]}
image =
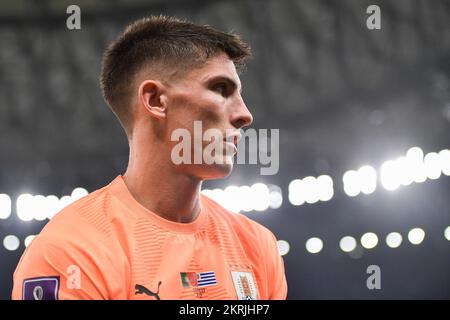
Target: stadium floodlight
{"points": [[258, 197], [283, 247], [246, 193], [11, 243], [444, 158], [296, 192], [314, 245], [414, 158], [351, 183], [347, 244], [416, 236], [367, 178], [5, 206], [232, 198], [325, 187], [40, 211], [432, 163], [78, 193], [28, 240], [369, 240], [447, 233], [311, 190], [275, 197], [394, 240], [405, 170], [261, 192], [389, 175], [25, 207]]}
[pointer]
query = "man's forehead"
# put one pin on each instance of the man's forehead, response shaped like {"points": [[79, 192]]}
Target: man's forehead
{"points": [[218, 67]]}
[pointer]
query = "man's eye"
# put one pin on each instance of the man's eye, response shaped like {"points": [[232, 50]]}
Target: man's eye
{"points": [[221, 88]]}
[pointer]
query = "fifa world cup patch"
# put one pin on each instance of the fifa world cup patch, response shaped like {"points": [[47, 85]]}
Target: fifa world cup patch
{"points": [[42, 288], [244, 284]]}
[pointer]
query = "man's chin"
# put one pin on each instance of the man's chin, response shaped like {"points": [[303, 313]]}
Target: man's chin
{"points": [[204, 171], [217, 171]]}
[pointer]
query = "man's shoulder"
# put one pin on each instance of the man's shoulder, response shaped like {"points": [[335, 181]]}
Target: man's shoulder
{"points": [[79, 235], [85, 216], [81, 230], [241, 224]]}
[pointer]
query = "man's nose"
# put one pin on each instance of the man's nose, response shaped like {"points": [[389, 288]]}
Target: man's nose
{"points": [[241, 116]]}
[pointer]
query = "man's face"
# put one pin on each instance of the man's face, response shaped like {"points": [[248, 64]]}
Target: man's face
{"points": [[210, 96]]}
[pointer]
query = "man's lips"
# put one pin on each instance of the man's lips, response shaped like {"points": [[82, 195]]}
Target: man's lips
{"points": [[233, 138]]}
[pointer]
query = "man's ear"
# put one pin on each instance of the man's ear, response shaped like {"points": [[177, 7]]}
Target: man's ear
{"points": [[151, 97]]}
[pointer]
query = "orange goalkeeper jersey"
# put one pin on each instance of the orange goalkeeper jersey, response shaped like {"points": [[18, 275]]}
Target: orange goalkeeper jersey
{"points": [[107, 246]]}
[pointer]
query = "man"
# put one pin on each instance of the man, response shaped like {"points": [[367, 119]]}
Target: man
{"points": [[150, 234]]}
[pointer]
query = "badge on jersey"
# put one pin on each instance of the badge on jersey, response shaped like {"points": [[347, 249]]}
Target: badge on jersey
{"points": [[198, 281], [244, 284], [42, 288], [202, 279]]}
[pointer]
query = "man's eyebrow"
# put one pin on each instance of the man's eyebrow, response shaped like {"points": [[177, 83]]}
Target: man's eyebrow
{"points": [[230, 81]]}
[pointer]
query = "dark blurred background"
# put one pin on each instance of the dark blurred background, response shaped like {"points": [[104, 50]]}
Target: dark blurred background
{"points": [[343, 97]]}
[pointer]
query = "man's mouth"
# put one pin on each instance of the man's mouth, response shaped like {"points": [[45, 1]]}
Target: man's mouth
{"points": [[233, 138], [231, 141]]}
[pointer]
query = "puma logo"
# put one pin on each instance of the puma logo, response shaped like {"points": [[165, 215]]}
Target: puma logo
{"points": [[141, 289]]}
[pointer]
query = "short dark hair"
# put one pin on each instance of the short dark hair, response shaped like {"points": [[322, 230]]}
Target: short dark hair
{"points": [[167, 42]]}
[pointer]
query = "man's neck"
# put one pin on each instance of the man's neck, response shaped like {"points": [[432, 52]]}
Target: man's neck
{"points": [[158, 187]]}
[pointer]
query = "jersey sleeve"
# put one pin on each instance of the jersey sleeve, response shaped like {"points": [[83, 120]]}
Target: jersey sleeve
{"points": [[65, 264]]}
